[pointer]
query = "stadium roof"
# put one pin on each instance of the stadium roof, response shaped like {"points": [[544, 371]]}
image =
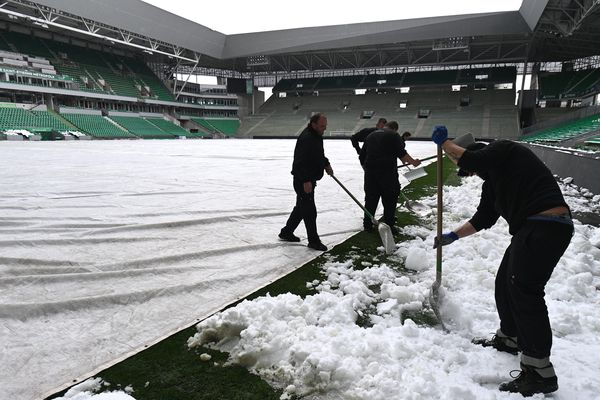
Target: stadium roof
{"points": [[541, 30]]}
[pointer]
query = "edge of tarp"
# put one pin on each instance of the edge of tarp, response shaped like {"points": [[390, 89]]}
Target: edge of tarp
{"points": [[180, 328]]}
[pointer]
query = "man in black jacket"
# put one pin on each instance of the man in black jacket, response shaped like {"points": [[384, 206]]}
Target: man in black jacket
{"points": [[307, 169], [520, 188], [362, 135], [378, 158]]}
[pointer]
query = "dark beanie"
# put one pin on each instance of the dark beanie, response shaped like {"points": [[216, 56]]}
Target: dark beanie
{"points": [[472, 147]]}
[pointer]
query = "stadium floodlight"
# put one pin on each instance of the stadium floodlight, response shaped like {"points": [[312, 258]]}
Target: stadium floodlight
{"points": [[254, 61], [451, 43]]}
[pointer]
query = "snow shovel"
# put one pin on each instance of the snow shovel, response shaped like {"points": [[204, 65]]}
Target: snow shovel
{"points": [[385, 232], [415, 173], [412, 205], [415, 207], [434, 294]]}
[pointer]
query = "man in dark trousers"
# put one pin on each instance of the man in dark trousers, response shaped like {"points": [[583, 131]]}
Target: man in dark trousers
{"points": [[520, 188], [378, 158], [362, 135], [307, 168]]}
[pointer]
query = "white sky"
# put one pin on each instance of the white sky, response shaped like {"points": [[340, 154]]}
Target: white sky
{"points": [[264, 15]]}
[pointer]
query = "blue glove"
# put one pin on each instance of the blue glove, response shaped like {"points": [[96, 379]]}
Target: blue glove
{"points": [[440, 134], [447, 238]]}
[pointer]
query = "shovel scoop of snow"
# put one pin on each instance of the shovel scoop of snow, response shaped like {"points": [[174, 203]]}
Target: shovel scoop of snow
{"points": [[387, 238]]}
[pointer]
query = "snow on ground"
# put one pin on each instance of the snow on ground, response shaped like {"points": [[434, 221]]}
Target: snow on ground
{"points": [[109, 246], [313, 347], [87, 391]]}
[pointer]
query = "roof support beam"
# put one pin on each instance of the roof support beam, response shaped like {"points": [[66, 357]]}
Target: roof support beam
{"points": [[187, 80], [90, 28]]}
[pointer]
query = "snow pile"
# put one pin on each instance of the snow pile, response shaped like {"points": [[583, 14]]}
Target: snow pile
{"points": [[347, 340], [86, 391]]}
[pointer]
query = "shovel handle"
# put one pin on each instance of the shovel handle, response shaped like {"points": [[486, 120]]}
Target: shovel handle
{"points": [[355, 200], [440, 210], [422, 159]]}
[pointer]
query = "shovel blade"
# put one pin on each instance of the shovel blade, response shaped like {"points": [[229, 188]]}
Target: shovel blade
{"points": [[387, 238], [415, 173]]}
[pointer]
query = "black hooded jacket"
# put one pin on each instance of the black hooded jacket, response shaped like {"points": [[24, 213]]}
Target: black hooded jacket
{"points": [[516, 185], [381, 150], [309, 156]]}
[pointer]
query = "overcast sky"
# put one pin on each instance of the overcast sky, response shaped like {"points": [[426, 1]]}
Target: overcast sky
{"points": [[265, 15]]}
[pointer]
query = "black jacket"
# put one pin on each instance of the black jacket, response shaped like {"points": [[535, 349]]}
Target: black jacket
{"points": [[309, 157], [361, 136], [516, 185], [381, 149]]}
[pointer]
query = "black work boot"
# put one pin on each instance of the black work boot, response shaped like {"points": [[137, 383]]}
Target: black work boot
{"points": [[532, 380], [317, 246], [500, 342], [288, 236]]}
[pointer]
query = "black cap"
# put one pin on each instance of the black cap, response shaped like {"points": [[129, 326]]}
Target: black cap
{"points": [[472, 147]]}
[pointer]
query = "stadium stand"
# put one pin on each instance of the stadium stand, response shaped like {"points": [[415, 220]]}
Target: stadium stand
{"points": [[169, 127], [595, 141], [430, 100], [226, 126], [465, 100], [97, 126], [566, 131], [108, 73], [568, 84], [12, 117], [140, 127], [544, 114], [34, 60]]}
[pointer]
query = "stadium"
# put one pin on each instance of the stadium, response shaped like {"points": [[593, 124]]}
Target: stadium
{"points": [[113, 250]]}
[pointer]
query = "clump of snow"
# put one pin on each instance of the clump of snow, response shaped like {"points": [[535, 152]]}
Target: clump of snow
{"points": [[418, 259], [349, 339], [87, 391]]}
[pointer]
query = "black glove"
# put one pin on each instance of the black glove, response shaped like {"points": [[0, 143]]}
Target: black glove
{"points": [[447, 238]]}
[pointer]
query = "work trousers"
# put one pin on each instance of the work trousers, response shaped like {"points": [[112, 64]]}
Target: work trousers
{"points": [[524, 271], [381, 184], [304, 210]]}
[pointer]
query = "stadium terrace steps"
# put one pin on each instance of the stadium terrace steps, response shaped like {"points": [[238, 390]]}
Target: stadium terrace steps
{"points": [[76, 62], [593, 141], [170, 127], [565, 131], [19, 118], [226, 126], [490, 113], [97, 126], [142, 128]]}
